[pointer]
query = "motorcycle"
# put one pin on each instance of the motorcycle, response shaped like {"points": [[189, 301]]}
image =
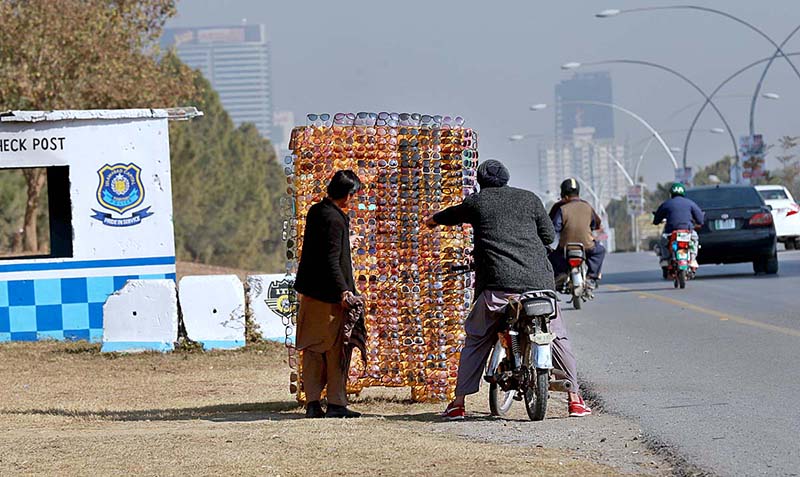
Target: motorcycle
{"points": [[521, 363], [678, 269], [575, 284]]}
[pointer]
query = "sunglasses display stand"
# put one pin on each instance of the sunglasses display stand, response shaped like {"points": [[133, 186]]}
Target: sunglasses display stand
{"points": [[411, 166]]}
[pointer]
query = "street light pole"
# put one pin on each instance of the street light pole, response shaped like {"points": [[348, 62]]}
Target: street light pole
{"points": [[650, 142], [614, 12], [598, 202], [638, 118], [634, 231], [693, 104], [574, 65], [764, 75], [622, 168], [722, 85], [778, 49]]}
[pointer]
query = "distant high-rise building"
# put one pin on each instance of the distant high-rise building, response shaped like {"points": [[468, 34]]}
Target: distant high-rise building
{"points": [[587, 158], [594, 86], [236, 60], [282, 125]]}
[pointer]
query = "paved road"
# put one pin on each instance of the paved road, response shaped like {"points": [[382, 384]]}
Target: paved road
{"points": [[711, 370]]}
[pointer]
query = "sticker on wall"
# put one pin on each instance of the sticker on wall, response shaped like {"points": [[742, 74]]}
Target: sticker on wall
{"points": [[120, 190], [279, 297]]}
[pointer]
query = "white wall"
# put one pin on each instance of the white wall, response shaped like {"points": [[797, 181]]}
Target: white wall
{"points": [[87, 146]]}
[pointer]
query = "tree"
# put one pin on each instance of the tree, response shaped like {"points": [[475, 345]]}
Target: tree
{"points": [[620, 220], [716, 173], [790, 169], [226, 188], [84, 54]]}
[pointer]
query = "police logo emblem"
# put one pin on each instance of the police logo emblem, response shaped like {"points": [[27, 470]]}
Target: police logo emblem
{"points": [[119, 191], [279, 298]]}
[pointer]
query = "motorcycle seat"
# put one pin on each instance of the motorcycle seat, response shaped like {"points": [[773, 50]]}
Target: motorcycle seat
{"points": [[539, 302]]}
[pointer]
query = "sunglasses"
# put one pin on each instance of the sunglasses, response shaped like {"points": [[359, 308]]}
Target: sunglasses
{"points": [[414, 165]]}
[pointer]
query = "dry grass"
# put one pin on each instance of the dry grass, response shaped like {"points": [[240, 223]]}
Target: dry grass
{"points": [[66, 409], [189, 268]]}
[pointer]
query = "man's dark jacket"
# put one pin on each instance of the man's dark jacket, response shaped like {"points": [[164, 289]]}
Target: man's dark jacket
{"points": [[326, 268], [680, 213], [511, 228]]}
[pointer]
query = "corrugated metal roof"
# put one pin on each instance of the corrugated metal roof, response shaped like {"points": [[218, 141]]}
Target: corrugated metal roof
{"points": [[102, 114]]}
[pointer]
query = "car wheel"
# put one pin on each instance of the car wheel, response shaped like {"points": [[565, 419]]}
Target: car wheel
{"points": [[768, 265], [758, 266], [771, 265]]}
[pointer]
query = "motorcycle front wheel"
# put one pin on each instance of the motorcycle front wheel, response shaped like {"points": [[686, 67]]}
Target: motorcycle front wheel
{"points": [[499, 401], [536, 394]]}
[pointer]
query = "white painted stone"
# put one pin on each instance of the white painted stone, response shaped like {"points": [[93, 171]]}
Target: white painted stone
{"points": [[268, 300], [142, 316], [213, 310]]}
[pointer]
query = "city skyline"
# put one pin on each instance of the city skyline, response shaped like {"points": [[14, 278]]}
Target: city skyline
{"points": [[403, 60], [235, 59]]}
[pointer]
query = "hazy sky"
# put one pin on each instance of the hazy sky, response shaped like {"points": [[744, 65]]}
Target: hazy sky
{"points": [[489, 60]]}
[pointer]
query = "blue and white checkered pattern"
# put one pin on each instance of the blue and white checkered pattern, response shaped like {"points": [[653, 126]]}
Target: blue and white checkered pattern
{"points": [[58, 308]]}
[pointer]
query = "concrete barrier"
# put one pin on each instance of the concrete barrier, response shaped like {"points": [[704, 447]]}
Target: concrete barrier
{"points": [[213, 310], [269, 301], [142, 316]]}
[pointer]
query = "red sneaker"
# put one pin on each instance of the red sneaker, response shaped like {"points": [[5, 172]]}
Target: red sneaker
{"points": [[579, 408], [453, 412]]}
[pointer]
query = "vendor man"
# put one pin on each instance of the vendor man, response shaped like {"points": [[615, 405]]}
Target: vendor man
{"points": [[325, 284]]}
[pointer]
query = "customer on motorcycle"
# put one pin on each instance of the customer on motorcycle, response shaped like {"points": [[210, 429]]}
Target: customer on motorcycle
{"points": [[510, 228], [679, 213], [574, 220]]}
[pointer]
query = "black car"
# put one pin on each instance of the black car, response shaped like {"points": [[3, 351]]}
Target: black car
{"points": [[738, 227]]}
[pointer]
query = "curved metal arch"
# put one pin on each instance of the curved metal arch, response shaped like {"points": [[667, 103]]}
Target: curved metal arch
{"points": [[764, 75], [726, 15], [721, 85], [693, 84]]}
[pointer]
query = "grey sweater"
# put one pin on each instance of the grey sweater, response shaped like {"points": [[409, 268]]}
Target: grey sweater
{"points": [[511, 229]]}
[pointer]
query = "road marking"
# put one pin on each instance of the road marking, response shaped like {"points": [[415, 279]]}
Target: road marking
{"points": [[718, 314]]}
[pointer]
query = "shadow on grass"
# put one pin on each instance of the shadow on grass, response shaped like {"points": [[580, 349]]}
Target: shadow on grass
{"points": [[435, 418], [242, 412]]}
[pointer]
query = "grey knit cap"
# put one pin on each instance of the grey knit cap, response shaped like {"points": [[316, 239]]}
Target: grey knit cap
{"points": [[492, 173]]}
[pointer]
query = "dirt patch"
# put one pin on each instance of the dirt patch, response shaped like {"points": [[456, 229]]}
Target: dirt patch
{"points": [[67, 409], [189, 268]]}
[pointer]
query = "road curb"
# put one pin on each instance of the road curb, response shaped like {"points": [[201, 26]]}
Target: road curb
{"points": [[680, 466]]}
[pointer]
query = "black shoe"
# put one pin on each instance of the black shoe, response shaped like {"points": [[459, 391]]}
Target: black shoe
{"points": [[340, 411], [314, 410]]}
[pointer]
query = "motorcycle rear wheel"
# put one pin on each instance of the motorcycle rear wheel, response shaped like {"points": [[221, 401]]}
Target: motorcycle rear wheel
{"points": [[499, 401], [682, 279], [577, 302], [536, 395]]}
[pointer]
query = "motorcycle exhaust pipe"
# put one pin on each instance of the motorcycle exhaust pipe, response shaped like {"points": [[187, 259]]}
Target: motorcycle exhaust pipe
{"points": [[561, 385], [558, 374]]}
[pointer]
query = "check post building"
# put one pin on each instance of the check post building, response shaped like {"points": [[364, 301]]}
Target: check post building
{"points": [[110, 216]]}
